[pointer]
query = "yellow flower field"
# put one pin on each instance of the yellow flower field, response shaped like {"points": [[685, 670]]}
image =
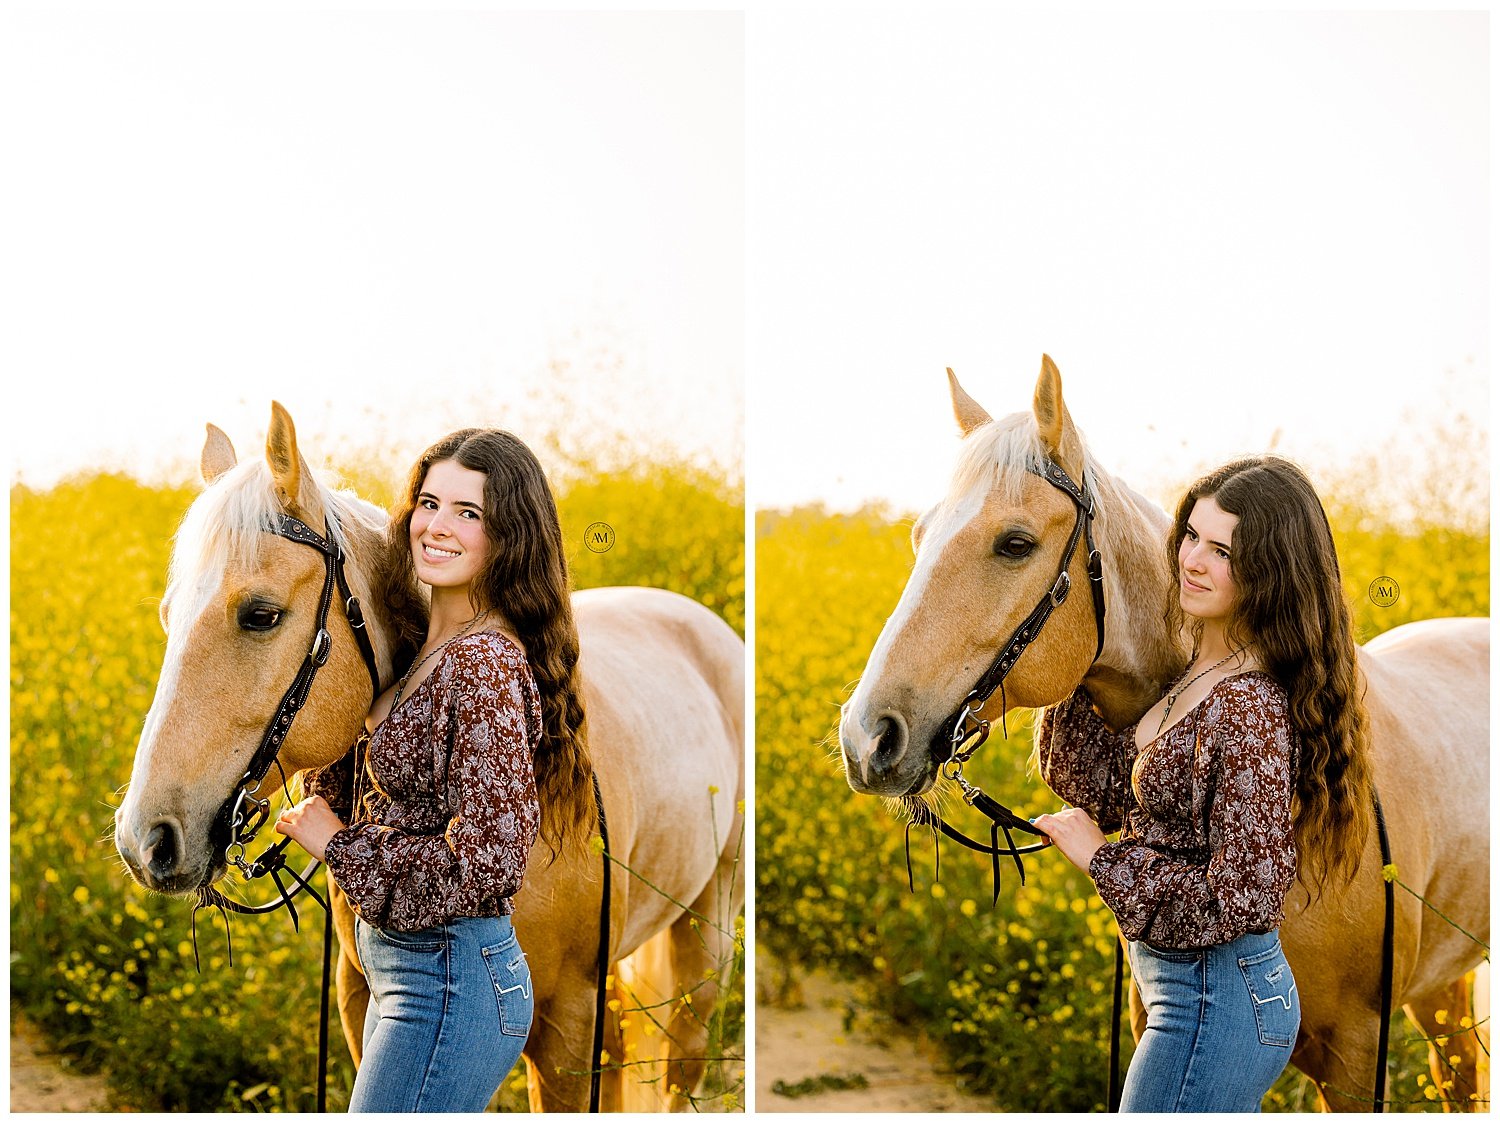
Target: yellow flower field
{"points": [[104, 967], [1018, 994]]}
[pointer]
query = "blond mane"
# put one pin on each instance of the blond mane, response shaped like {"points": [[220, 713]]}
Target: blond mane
{"points": [[226, 525]]}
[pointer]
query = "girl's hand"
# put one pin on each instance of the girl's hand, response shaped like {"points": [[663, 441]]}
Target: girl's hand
{"points": [[311, 823], [1074, 833]]}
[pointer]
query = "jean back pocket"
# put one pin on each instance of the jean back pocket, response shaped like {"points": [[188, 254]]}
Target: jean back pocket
{"points": [[1273, 992], [512, 981]]}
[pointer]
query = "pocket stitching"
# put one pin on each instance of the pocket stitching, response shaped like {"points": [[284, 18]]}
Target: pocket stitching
{"points": [[390, 937], [1266, 1035], [524, 986]]}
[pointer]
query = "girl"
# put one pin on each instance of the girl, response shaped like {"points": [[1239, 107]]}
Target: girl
{"points": [[477, 747], [1255, 757]]}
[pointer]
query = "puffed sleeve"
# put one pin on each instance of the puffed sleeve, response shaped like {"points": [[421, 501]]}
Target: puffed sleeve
{"points": [[1085, 761], [405, 881], [1252, 858], [335, 782]]}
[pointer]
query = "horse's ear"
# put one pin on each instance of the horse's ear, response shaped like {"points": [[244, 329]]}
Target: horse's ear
{"points": [[970, 414], [294, 485], [218, 454], [1053, 423]]}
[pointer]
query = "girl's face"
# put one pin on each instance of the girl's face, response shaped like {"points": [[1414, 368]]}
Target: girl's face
{"points": [[1204, 584], [448, 543]]}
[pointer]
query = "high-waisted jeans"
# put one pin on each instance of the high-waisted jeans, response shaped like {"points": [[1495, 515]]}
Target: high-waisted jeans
{"points": [[450, 1008], [1220, 1025]]}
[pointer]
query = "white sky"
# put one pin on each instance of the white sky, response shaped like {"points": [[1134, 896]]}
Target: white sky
{"points": [[1219, 226], [392, 223]]}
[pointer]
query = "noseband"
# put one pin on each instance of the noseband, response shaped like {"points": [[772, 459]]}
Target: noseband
{"points": [[243, 815], [968, 731]]}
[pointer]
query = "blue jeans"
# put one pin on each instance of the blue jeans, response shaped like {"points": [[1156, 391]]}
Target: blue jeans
{"points": [[450, 1008], [1220, 1025]]}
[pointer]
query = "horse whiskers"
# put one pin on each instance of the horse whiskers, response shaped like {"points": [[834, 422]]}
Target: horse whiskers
{"points": [[209, 897]]}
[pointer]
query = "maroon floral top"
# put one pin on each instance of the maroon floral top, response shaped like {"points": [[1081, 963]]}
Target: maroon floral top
{"points": [[1206, 851], [449, 796]]}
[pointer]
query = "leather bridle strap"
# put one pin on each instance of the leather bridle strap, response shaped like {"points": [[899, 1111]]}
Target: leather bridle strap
{"points": [[969, 731], [1062, 584], [244, 823]]}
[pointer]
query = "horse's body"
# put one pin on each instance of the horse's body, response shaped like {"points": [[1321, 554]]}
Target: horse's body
{"points": [[992, 547], [663, 687]]}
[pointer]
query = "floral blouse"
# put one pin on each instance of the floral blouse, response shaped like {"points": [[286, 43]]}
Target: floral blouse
{"points": [[449, 809], [1206, 852]]}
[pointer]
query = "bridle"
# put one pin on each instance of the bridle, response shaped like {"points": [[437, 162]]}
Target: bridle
{"points": [[242, 815], [968, 731]]}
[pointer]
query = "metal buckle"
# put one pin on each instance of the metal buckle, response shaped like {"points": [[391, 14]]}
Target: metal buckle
{"points": [[322, 642], [969, 732], [243, 825], [1063, 583]]}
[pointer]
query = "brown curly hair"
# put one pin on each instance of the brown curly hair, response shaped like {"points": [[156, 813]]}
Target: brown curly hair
{"points": [[526, 578], [1290, 603]]}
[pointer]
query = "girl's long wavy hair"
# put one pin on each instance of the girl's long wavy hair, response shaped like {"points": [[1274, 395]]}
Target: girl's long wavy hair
{"points": [[1290, 603], [526, 578]]}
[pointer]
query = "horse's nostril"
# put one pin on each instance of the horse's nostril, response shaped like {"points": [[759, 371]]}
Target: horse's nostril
{"points": [[161, 850], [890, 739]]}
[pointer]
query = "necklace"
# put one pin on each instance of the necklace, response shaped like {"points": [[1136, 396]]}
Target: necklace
{"points": [[1176, 694], [401, 686]]}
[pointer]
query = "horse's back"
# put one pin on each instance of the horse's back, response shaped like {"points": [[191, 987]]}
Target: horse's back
{"points": [[1428, 702], [1429, 684], [664, 690]]}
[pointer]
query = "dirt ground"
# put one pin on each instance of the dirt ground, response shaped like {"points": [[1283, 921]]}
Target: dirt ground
{"points": [[38, 1080], [819, 1037]]}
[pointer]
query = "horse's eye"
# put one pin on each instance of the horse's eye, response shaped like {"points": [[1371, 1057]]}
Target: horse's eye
{"points": [[1013, 546], [259, 617]]}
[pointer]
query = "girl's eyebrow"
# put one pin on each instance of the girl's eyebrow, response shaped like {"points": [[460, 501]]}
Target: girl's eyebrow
{"points": [[1221, 545], [456, 502]]}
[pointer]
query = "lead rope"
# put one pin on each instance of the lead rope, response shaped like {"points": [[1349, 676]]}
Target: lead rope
{"points": [[1387, 957], [1114, 1021], [602, 995], [323, 1006]]}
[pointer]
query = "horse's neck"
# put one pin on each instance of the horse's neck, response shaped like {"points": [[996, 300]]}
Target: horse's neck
{"points": [[1140, 658]]}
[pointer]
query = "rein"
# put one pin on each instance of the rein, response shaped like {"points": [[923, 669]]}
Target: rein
{"points": [[969, 731]]}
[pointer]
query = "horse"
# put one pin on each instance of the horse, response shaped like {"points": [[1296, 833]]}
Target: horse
{"points": [[663, 681], [994, 545]]}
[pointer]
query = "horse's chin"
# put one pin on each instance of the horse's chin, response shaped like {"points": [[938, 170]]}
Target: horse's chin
{"points": [[896, 787], [185, 883]]}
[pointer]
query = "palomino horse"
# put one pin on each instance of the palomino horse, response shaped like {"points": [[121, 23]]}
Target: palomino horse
{"points": [[992, 547], [664, 691]]}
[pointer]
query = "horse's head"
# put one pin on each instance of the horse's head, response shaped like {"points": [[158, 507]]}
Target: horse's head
{"points": [[240, 616], [985, 556]]}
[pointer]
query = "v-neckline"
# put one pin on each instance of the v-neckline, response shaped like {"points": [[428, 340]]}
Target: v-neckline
{"points": [[1190, 711], [438, 662]]}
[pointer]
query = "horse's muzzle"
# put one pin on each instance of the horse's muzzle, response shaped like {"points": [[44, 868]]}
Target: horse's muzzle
{"points": [[160, 861], [879, 763]]}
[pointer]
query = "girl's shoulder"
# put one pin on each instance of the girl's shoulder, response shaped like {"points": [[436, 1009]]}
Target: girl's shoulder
{"points": [[486, 656], [1255, 696]]}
